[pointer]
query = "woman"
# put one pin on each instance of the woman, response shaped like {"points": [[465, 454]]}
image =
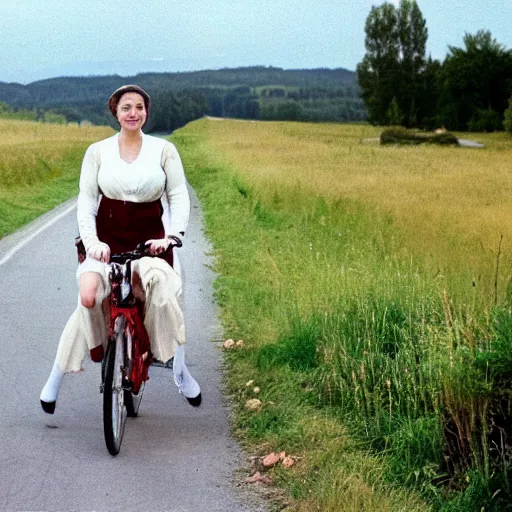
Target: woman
{"points": [[132, 188]]}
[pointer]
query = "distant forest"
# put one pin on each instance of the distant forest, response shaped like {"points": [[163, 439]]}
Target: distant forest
{"points": [[265, 93]]}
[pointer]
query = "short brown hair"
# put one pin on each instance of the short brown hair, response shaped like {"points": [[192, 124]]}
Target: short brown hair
{"points": [[113, 101]]}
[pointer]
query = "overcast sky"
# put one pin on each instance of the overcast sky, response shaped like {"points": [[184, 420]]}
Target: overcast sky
{"points": [[47, 38]]}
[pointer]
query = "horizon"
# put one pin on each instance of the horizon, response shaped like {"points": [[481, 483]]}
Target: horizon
{"points": [[178, 73]]}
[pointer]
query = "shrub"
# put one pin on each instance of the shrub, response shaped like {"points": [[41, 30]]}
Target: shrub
{"points": [[399, 135], [444, 138]]}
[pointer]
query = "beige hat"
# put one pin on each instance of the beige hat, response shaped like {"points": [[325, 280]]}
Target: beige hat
{"points": [[116, 96]]}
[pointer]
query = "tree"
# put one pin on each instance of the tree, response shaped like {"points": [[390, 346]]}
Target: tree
{"points": [[394, 116], [507, 122], [377, 73], [429, 90], [394, 63], [476, 79], [413, 34]]}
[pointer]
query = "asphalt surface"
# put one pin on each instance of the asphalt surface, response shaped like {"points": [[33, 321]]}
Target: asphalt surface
{"points": [[174, 457]]}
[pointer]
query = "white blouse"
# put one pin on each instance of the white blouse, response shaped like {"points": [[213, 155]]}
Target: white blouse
{"points": [[157, 173]]}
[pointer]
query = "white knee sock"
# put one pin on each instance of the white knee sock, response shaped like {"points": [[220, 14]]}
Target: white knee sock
{"points": [[52, 386], [182, 378]]}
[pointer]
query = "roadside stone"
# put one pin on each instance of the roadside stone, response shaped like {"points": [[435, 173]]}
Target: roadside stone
{"points": [[259, 478], [254, 404], [288, 462], [229, 344], [271, 460]]}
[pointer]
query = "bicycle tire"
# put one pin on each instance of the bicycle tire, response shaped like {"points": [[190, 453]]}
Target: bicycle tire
{"points": [[132, 400], [114, 409]]}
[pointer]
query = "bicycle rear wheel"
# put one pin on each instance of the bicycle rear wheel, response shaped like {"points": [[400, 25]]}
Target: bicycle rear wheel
{"points": [[114, 409]]}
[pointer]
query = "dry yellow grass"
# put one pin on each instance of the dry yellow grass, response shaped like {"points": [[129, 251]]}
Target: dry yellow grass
{"points": [[25, 132], [39, 167], [451, 204], [28, 149]]}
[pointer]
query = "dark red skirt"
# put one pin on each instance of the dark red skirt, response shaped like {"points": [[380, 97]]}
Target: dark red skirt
{"points": [[122, 225]]}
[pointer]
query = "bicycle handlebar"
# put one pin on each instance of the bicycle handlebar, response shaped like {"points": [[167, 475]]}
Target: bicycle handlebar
{"points": [[141, 251]]}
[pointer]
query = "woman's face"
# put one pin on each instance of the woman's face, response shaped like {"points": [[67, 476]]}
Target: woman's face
{"points": [[131, 111]]}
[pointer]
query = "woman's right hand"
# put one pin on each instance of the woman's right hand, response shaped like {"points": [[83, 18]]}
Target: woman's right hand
{"points": [[100, 252]]}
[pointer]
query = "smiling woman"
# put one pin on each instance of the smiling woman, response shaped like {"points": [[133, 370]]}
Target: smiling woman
{"points": [[132, 190]]}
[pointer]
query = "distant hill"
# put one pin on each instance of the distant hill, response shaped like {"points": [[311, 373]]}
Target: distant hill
{"points": [[250, 92]]}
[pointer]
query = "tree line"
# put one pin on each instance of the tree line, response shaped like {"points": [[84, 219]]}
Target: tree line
{"points": [[249, 93], [400, 85]]}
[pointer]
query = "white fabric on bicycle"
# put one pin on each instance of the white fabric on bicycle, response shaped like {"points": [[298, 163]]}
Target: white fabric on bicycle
{"points": [[87, 328]]}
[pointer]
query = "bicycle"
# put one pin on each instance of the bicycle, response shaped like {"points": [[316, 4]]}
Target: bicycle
{"points": [[125, 367]]}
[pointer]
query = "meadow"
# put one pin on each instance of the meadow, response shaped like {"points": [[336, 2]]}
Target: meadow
{"points": [[371, 286], [39, 167]]}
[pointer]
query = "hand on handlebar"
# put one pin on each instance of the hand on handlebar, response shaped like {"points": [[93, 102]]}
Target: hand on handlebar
{"points": [[159, 246], [100, 252]]}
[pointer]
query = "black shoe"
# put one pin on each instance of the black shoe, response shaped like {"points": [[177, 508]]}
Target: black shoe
{"points": [[168, 364], [196, 401], [48, 407]]}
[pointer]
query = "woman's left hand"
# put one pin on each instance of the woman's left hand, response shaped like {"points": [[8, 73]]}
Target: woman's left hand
{"points": [[158, 246]]}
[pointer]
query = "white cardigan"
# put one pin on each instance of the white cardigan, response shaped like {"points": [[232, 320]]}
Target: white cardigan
{"points": [[105, 172]]}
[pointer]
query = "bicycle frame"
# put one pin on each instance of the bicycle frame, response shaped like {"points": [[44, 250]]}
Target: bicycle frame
{"points": [[124, 304]]}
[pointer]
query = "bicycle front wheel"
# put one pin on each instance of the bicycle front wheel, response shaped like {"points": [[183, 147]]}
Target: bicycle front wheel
{"points": [[114, 409], [132, 400]]}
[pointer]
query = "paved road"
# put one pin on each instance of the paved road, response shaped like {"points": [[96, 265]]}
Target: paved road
{"points": [[173, 458]]}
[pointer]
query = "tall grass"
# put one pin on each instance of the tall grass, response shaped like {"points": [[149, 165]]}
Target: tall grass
{"points": [[39, 167], [370, 283]]}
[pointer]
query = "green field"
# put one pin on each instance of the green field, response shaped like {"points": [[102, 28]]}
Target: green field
{"points": [[371, 287]]}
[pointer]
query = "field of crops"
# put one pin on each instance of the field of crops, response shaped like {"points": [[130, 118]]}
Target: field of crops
{"points": [[372, 288], [39, 167]]}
